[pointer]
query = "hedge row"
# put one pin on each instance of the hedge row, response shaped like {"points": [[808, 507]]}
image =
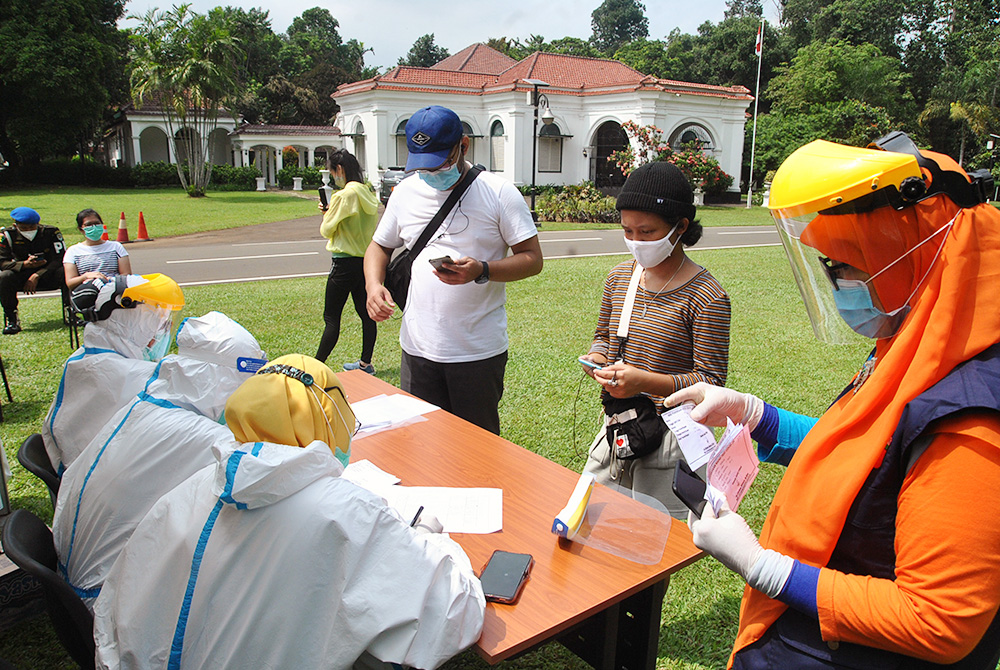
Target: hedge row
{"points": [[145, 175], [584, 203]]}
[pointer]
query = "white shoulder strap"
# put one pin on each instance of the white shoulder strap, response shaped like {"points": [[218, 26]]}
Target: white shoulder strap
{"points": [[626, 316]]}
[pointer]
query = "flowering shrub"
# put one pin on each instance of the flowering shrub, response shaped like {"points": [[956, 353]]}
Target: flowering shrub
{"points": [[699, 168], [583, 203]]}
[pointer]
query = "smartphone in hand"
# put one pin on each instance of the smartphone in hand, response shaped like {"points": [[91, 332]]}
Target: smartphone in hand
{"points": [[689, 487], [589, 363], [323, 200], [438, 263], [504, 576]]}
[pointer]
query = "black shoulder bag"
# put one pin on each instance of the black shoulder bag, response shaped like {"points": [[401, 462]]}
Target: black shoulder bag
{"points": [[397, 274]]}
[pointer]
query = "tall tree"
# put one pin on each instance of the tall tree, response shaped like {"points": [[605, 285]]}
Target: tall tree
{"points": [[187, 64], [61, 68], [424, 52], [617, 22]]}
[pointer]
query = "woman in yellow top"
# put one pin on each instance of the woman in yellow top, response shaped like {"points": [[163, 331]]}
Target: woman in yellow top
{"points": [[348, 223]]}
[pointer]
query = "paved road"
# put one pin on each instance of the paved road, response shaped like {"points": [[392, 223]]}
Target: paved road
{"points": [[294, 249]]}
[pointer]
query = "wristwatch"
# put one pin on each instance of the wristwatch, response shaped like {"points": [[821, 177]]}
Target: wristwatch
{"points": [[485, 277]]}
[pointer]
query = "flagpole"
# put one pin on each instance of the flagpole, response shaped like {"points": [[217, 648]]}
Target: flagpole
{"points": [[759, 48]]}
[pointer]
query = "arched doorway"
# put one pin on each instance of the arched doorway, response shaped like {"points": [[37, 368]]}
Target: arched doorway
{"points": [[153, 146], [609, 138]]}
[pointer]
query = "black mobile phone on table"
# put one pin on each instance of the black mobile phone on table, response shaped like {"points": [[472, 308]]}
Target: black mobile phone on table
{"points": [[689, 487], [504, 576], [322, 197]]}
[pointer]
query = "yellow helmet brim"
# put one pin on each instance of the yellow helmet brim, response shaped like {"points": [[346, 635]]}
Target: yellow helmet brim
{"points": [[158, 290], [822, 174]]}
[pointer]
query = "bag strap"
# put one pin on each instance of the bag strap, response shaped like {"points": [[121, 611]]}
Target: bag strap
{"points": [[448, 205], [626, 315]]}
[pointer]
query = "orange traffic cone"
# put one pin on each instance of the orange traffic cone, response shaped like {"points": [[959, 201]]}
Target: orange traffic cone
{"points": [[104, 237], [122, 230], [141, 235]]}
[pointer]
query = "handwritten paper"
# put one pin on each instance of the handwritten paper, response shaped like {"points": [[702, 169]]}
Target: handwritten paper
{"points": [[460, 510], [697, 442], [733, 467]]}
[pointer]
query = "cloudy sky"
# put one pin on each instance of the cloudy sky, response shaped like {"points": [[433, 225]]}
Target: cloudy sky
{"points": [[391, 26]]}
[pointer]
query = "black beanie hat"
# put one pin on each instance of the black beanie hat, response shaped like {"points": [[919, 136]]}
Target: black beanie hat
{"points": [[660, 188]]}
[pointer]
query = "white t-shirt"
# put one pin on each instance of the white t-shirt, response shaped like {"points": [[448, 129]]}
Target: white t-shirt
{"points": [[455, 324], [101, 258]]}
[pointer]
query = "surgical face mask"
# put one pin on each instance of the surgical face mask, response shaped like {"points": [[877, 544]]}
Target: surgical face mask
{"points": [[28, 234], [854, 302], [158, 349], [441, 180], [340, 181], [342, 455], [651, 253], [854, 299], [93, 232]]}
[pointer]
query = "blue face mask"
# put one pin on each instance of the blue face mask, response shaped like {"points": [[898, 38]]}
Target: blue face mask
{"points": [[93, 233], [158, 349], [443, 179], [854, 302]]}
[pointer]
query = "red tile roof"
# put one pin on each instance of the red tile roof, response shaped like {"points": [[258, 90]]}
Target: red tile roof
{"points": [[477, 58], [566, 75]]}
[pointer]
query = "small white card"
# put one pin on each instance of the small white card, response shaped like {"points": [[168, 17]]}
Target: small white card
{"points": [[697, 442]]}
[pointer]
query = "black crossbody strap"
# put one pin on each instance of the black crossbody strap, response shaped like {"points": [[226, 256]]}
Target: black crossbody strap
{"points": [[448, 205]]}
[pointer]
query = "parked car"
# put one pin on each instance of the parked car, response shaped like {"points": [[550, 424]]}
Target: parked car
{"points": [[392, 176]]}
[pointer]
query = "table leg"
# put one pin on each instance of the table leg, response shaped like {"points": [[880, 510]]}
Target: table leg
{"points": [[624, 636]]}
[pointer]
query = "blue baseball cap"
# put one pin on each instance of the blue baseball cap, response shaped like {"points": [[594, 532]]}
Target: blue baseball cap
{"points": [[431, 134], [25, 216]]}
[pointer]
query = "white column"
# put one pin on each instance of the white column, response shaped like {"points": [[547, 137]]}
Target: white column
{"points": [[279, 162], [136, 150]]}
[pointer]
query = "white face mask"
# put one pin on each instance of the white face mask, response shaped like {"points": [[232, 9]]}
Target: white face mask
{"points": [[340, 181], [28, 234], [652, 253]]}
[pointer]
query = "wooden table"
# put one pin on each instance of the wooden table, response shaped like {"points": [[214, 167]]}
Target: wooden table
{"points": [[604, 608]]}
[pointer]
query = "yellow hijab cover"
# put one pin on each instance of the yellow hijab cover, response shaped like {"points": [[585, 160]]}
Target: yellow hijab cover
{"points": [[954, 318], [273, 407]]}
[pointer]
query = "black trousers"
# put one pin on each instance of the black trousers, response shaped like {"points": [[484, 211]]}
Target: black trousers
{"points": [[12, 281], [469, 390], [347, 278]]}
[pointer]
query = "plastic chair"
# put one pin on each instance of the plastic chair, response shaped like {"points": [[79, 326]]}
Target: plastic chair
{"points": [[35, 459], [27, 542]]}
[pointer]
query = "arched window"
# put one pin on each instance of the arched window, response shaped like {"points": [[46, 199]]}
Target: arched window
{"points": [[359, 144], [470, 155], [550, 146], [692, 133], [496, 147], [401, 151]]}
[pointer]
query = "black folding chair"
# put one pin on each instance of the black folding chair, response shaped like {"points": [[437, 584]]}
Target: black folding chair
{"points": [[6, 385], [27, 542], [35, 459]]}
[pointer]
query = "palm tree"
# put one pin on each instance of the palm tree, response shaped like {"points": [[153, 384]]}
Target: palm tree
{"points": [[186, 63]]}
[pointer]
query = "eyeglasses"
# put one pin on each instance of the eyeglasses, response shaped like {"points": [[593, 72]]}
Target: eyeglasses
{"points": [[834, 270]]}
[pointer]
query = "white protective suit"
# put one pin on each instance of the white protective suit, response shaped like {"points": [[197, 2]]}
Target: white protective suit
{"points": [[99, 379], [148, 447], [268, 559]]}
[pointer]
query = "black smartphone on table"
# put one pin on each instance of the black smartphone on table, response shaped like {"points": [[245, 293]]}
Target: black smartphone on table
{"points": [[322, 197], [689, 487], [504, 576]]}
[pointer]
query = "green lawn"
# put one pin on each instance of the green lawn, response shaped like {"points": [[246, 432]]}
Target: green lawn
{"points": [[548, 405], [167, 211]]}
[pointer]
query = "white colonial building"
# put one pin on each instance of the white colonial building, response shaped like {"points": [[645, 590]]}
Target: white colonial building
{"points": [[588, 101]]}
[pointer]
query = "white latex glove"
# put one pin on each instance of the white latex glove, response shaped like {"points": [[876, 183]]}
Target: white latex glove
{"points": [[727, 537], [714, 404], [428, 523]]}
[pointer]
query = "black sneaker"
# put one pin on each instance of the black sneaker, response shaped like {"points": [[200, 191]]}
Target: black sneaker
{"points": [[13, 324]]}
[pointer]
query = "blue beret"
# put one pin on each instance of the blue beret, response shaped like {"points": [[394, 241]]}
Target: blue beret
{"points": [[25, 215]]}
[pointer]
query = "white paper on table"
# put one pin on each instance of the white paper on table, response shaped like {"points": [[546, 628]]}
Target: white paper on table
{"points": [[369, 476], [460, 510], [733, 467], [383, 412], [697, 442]]}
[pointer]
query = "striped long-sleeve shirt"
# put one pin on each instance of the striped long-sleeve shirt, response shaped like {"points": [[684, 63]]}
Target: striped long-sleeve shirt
{"points": [[683, 333]]}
